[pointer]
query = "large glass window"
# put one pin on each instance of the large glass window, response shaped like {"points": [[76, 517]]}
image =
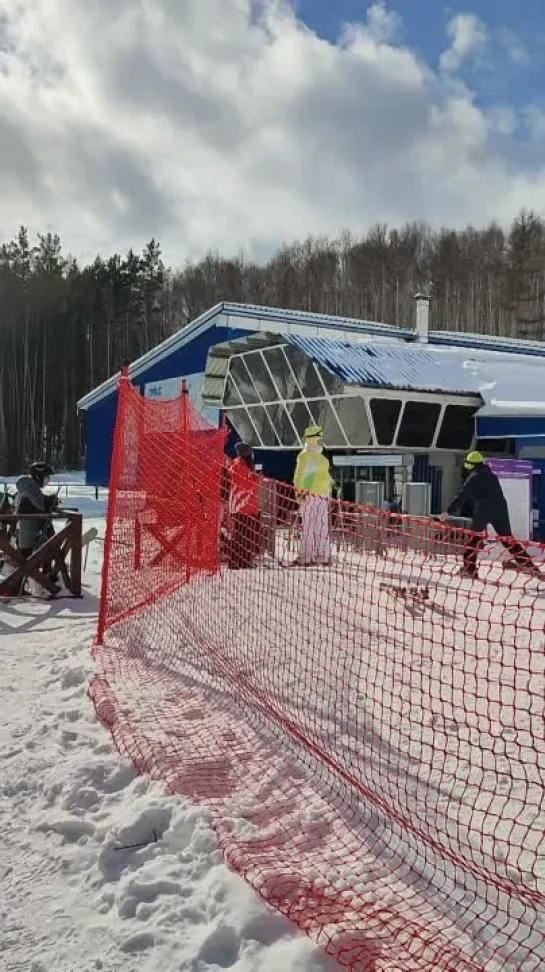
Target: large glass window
{"points": [[261, 377], [332, 384], [240, 421], [283, 376], [282, 425], [385, 414], [264, 427], [241, 376], [354, 420], [305, 372], [300, 416], [418, 424], [231, 396], [323, 414], [457, 428], [499, 447]]}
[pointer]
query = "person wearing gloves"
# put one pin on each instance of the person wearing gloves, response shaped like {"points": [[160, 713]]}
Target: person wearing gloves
{"points": [[482, 497], [313, 485]]}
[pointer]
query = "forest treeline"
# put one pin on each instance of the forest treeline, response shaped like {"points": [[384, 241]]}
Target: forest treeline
{"points": [[65, 327]]}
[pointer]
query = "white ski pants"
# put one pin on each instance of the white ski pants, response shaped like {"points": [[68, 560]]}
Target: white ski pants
{"points": [[315, 547]]}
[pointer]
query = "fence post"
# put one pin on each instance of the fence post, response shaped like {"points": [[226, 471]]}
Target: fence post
{"points": [[123, 391], [76, 520]]}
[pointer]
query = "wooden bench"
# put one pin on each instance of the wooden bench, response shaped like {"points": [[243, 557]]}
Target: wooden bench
{"points": [[60, 555]]}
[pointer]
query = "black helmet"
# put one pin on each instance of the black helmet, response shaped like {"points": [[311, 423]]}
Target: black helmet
{"points": [[244, 450], [40, 471]]}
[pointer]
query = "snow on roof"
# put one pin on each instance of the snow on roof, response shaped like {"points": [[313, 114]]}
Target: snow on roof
{"points": [[415, 367]]}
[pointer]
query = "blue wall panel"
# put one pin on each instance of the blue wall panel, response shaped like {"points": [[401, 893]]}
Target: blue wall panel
{"points": [[100, 418], [99, 434], [509, 427]]}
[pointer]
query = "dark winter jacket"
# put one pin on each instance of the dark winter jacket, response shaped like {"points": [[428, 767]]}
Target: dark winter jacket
{"points": [[481, 497], [30, 499]]}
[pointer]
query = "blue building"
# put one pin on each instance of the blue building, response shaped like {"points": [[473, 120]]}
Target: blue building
{"points": [[378, 391]]}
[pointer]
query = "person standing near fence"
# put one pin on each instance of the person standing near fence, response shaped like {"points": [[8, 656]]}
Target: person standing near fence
{"points": [[482, 497], [30, 499], [313, 484], [245, 540]]}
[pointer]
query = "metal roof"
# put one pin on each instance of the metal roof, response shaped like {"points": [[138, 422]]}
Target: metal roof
{"points": [[254, 318], [414, 368]]}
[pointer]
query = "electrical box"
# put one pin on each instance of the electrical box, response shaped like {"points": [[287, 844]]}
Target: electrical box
{"points": [[369, 494], [416, 499]]}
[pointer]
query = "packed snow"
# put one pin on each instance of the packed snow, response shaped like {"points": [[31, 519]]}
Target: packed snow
{"points": [[99, 869], [433, 732]]}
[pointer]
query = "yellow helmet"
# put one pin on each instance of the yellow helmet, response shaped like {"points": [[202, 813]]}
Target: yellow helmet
{"points": [[314, 432], [473, 459]]}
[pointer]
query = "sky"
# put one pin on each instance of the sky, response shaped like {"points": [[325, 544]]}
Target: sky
{"points": [[236, 125]]}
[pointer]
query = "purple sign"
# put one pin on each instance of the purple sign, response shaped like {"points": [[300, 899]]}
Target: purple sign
{"points": [[511, 468]]}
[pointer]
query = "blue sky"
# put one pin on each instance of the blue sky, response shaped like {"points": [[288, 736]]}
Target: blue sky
{"points": [[424, 24]]}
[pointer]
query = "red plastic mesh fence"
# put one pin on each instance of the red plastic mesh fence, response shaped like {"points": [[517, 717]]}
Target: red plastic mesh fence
{"points": [[368, 735]]}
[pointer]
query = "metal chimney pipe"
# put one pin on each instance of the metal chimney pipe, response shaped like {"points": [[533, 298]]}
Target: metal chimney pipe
{"points": [[422, 320]]}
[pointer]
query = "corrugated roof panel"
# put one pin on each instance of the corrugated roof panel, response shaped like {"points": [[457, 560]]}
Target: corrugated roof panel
{"points": [[405, 367]]}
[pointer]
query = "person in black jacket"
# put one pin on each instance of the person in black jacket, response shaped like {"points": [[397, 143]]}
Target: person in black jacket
{"points": [[481, 498]]}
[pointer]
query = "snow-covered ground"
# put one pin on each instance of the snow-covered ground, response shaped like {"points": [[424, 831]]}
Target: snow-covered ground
{"points": [[432, 713], [76, 894]]}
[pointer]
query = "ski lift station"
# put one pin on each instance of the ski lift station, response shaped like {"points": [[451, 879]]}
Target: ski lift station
{"points": [[394, 403]]}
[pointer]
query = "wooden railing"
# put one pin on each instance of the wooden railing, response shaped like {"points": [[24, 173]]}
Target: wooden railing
{"points": [[57, 557]]}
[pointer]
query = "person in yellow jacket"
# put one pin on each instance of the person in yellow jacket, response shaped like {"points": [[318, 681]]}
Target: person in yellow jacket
{"points": [[313, 484]]}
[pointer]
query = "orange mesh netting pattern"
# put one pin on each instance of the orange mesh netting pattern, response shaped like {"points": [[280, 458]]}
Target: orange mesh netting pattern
{"points": [[368, 735]]}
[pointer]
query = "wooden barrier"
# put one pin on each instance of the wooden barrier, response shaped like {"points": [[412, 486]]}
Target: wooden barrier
{"points": [[58, 556]]}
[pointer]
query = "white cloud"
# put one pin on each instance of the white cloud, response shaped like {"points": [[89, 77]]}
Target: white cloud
{"points": [[468, 36], [534, 117], [228, 124], [383, 24]]}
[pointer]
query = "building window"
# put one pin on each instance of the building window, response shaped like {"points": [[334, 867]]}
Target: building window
{"points": [[457, 428], [305, 372], [354, 420], [418, 424], [324, 416], [300, 416], [282, 425], [261, 377], [499, 447], [283, 376], [231, 397], [385, 414], [241, 377], [264, 427], [240, 421]]}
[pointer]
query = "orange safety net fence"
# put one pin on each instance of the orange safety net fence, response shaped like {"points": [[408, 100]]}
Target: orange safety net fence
{"points": [[368, 735]]}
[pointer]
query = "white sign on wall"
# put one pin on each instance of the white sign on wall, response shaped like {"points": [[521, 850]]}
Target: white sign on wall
{"points": [[170, 388]]}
